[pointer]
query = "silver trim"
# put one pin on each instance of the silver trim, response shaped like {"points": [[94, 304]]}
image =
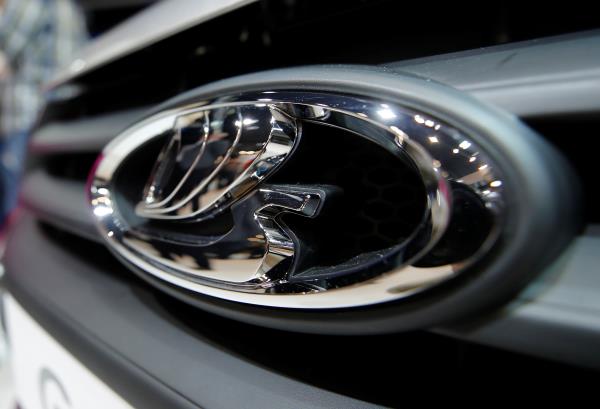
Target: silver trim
{"points": [[142, 30], [442, 152], [259, 139], [542, 77]]}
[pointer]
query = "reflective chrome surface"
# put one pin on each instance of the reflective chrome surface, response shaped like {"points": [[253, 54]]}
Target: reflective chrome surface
{"points": [[210, 220], [213, 159]]}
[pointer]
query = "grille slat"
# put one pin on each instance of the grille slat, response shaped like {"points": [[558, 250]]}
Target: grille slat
{"points": [[82, 135], [59, 202], [547, 77]]}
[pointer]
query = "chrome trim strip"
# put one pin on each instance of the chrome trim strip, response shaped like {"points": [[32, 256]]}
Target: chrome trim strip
{"points": [[143, 30]]}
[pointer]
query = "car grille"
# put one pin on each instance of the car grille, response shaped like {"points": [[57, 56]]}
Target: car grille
{"points": [[82, 116]]}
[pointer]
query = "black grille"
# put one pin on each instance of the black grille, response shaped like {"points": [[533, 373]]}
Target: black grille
{"points": [[385, 200]]}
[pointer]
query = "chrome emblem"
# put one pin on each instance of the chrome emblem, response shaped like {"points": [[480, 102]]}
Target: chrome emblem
{"points": [[198, 196]]}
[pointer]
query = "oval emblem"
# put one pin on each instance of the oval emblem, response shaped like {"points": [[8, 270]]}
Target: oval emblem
{"points": [[298, 199]]}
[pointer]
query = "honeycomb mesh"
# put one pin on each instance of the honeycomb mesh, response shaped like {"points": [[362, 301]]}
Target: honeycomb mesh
{"points": [[382, 200], [387, 198]]}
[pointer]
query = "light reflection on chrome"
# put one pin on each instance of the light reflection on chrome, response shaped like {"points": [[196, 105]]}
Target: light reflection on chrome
{"points": [[216, 159]]}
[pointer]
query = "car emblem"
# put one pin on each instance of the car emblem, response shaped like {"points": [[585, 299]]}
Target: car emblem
{"points": [[233, 197]]}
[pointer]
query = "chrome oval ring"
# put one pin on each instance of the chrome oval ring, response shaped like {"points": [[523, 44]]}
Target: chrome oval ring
{"points": [[443, 152]]}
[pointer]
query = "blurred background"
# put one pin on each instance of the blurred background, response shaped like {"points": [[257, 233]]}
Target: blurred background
{"points": [[37, 38]]}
